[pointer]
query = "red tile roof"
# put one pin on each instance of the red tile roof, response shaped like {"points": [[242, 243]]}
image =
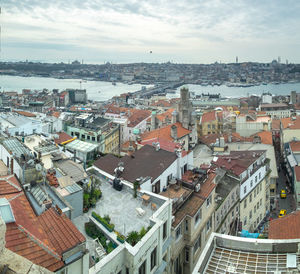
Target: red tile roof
{"points": [[290, 123], [165, 145], [29, 237], [62, 137], [161, 103], [208, 117], [265, 137], [56, 114], [192, 205], [295, 146], [60, 230], [137, 117], [25, 113], [19, 242], [286, 227], [165, 133], [238, 161]]}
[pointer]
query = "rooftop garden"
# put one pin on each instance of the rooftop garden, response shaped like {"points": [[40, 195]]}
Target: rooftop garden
{"points": [[132, 238], [91, 193]]}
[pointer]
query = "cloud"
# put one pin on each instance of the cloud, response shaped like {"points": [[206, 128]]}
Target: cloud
{"points": [[188, 29]]}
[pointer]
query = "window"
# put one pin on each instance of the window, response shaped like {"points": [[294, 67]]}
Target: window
{"points": [[254, 192], [187, 255], [260, 202], [198, 216], [177, 266], [213, 126], [208, 126], [142, 268], [186, 225], [197, 244], [232, 214], [178, 232], [250, 214], [251, 183], [245, 189], [250, 198], [82, 136], [127, 270], [259, 175], [245, 220], [254, 209], [255, 179], [208, 225], [245, 203], [257, 220], [89, 137], [153, 258], [93, 139], [237, 209], [208, 201], [169, 178], [257, 206], [165, 230], [72, 133]]}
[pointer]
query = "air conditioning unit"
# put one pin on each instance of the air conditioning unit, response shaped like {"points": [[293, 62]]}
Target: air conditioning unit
{"points": [[197, 187]]}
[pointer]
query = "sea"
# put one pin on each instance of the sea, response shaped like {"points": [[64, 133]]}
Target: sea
{"points": [[102, 91]]}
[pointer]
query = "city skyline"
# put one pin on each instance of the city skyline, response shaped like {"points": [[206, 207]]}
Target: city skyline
{"points": [[137, 31]]}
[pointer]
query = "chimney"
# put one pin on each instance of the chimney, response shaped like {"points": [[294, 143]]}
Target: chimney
{"points": [[174, 132], [153, 120], [130, 148], [174, 117]]}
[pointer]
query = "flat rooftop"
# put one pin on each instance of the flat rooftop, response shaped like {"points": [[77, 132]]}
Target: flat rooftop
{"points": [[121, 208]]}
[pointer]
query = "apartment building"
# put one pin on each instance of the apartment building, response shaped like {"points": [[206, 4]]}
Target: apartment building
{"points": [[250, 168], [193, 208], [279, 110], [95, 130]]}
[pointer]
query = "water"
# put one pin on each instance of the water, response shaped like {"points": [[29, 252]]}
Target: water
{"points": [[96, 90], [280, 89], [101, 91]]}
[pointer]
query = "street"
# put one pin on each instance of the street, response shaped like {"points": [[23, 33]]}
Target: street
{"points": [[287, 203]]}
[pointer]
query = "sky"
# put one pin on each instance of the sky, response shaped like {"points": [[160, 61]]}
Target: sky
{"points": [[127, 31]]}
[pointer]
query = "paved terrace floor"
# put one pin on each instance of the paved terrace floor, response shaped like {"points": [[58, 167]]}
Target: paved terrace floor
{"points": [[121, 207]]}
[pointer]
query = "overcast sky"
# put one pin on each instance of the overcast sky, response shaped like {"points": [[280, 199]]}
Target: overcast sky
{"points": [[125, 31]]}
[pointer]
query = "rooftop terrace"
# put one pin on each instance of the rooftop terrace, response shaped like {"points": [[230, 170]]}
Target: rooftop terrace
{"points": [[121, 207]]}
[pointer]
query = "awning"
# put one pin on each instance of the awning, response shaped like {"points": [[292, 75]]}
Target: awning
{"points": [[292, 160]]}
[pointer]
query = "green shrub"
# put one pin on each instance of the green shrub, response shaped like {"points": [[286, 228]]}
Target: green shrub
{"points": [[86, 200], [97, 194], [143, 232], [110, 227], [133, 238]]}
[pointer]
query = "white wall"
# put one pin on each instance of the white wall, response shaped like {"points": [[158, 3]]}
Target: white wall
{"points": [[247, 183], [17, 169]]}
